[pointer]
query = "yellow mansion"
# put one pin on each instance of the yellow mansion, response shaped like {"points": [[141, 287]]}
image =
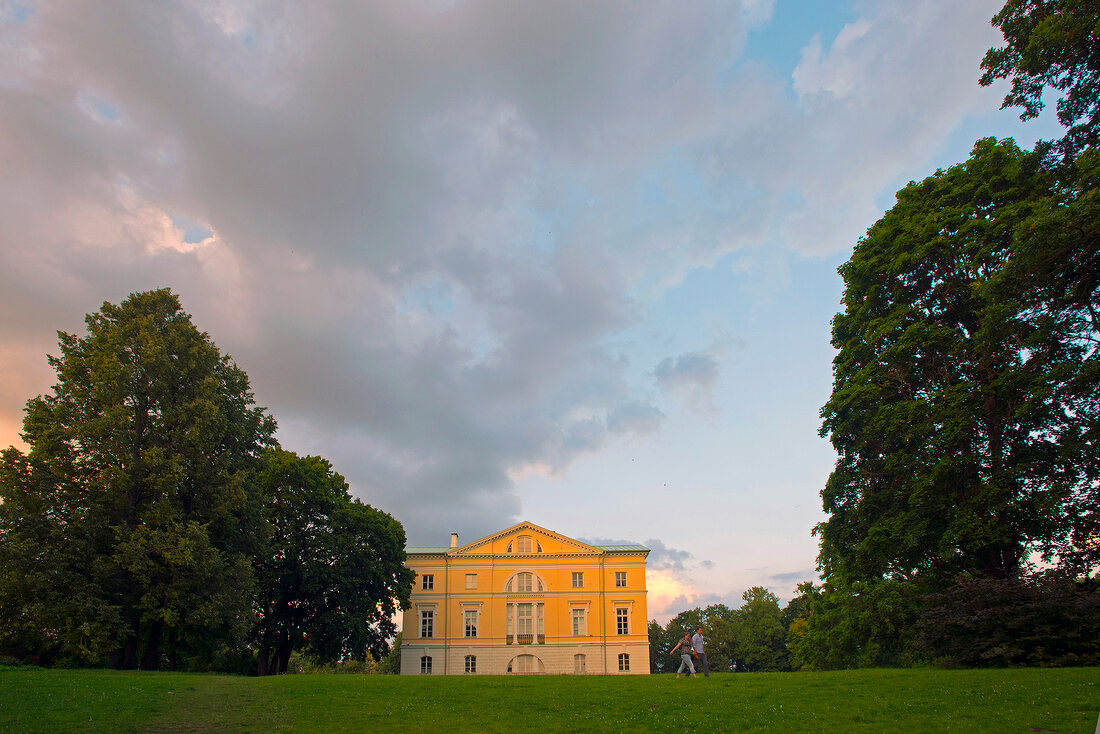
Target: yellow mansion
{"points": [[526, 600]]}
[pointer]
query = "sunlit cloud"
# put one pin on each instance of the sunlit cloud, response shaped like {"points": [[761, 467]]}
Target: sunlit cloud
{"points": [[668, 594], [450, 242]]}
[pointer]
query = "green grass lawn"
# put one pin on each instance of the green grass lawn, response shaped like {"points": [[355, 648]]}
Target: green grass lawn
{"points": [[923, 700]]}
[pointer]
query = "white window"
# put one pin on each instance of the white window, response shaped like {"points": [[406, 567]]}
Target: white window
{"points": [[578, 579], [620, 578], [470, 616], [578, 663], [524, 582], [624, 662], [523, 544], [622, 621], [427, 581], [471, 581], [471, 663], [523, 619], [426, 665], [579, 626], [427, 622], [524, 664]]}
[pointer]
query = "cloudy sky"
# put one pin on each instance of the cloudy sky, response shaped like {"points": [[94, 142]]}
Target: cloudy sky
{"points": [[566, 262]]}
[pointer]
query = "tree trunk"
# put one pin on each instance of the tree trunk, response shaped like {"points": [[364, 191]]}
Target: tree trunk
{"points": [[127, 659], [150, 659], [284, 655], [263, 662], [173, 649]]}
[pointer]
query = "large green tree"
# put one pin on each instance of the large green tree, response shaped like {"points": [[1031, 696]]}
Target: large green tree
{"points": [[1054, 277], [760, 639], [1056, 44], [128, 529], [333, 576], [863, 624], [958, 451]]}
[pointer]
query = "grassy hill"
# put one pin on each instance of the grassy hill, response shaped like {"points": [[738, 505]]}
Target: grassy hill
{"points": [[924, 700]]}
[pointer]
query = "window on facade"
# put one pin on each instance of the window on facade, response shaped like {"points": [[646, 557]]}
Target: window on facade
{"points": [[470, 616], [471, 581], [538, 547], [427, 622], [471, 663], [620, 578], [523, 544], [524, 582], [578, 623], [578, 579], [525, 664], [578, 663], [427, 581], [426, 665], [523, 619], [622, 621], [624, 662], [509, 547]]}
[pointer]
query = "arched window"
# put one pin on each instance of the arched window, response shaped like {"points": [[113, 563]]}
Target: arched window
{"points": [[471, 663], [523, 544], [624, 663], [524, 582], [426, 665], [578, 663], [526, 664]]}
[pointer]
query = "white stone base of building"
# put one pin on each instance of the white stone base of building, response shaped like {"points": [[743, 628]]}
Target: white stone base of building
{"points": [[547, 659]]}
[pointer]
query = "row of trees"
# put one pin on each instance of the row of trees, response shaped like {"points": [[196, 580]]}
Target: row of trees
{"points": [[1041, 620], [963, 514], [750, 639], [155, 522]]}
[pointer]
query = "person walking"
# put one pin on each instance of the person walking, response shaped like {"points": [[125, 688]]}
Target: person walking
{"points": [[697, 643], [686, 652]]}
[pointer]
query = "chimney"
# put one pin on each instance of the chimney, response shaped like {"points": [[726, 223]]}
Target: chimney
{"points": [[454, 540]]}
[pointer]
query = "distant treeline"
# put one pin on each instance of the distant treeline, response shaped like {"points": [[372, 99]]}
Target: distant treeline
{"points": [[1042, 620]]}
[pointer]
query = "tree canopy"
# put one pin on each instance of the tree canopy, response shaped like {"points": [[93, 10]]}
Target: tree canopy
{"points": [[154, 521], [751, 638], [1056, 44], [332, 577], [132, 520], [962, 396], [966, 399]]}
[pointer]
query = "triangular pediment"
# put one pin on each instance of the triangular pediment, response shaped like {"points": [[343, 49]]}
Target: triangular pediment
{"points": [[551, 542]]}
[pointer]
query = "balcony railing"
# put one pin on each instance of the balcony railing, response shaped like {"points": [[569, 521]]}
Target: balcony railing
{"points": [[525, 639]]}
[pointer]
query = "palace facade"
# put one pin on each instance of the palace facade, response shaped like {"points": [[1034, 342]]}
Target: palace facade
{"points": [[526, 600]]}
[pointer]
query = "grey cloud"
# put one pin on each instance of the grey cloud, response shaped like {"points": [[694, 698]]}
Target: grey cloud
{"points": [[661, 557], [347, 156], [691, 377], [636, 418], [795, 577]]}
